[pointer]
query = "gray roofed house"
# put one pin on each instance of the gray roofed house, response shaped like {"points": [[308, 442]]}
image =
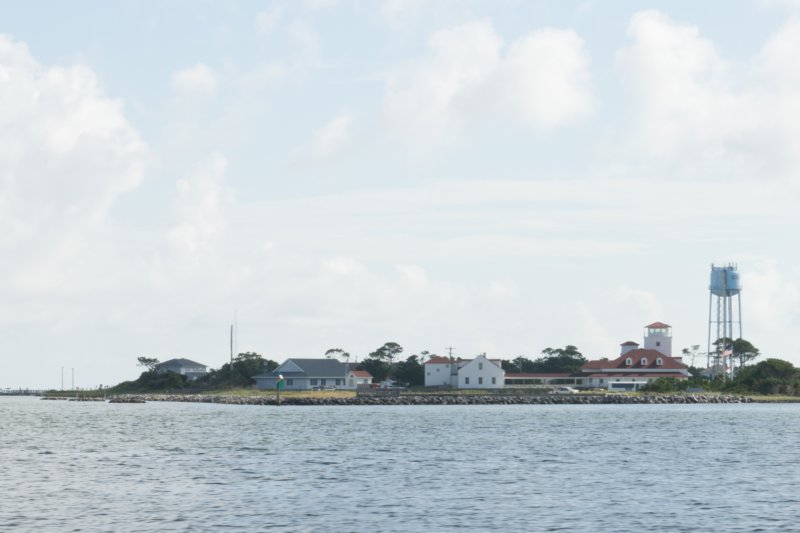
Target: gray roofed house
{"points": [[307, 374], [185, 367]]}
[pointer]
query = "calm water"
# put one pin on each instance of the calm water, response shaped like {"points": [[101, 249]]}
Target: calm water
{"points": [[67, 466]]}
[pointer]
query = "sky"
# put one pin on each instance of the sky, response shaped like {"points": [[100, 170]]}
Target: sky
{"points": [[496, 176]]}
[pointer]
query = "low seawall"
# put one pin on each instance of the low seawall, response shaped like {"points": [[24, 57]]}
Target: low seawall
{"points": [[439, 399]]}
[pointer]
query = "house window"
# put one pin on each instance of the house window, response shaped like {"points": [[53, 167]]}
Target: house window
{"points": [[289, 381], [659, 361], [466, 381], [323, 381], [437, 369], [628, 362], [480, 366], [338, 381], [644, 361], [601, 381], [429, 373], [494, 381], [313, 381], [480, 381]]}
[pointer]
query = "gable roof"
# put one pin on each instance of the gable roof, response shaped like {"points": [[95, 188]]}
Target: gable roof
{"points": [[361, 374], [317, 367], [179, 362], [658, 325], [636, 357]]}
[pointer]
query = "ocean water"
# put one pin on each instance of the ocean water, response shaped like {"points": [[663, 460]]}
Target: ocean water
{"points": [[69, 466]]}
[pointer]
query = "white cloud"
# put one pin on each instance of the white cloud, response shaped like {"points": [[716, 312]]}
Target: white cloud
{"points": [[306, 38], [396, 11], [200, 204], [770, 299], [540, 79], [321, 5], [67, 153], [696, 112], [331, 138], [263, 77], [199, 80], [267, 20]]}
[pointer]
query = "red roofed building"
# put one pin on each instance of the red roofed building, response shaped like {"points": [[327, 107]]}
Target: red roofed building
{"points": [[355, 379], [634, 368]]}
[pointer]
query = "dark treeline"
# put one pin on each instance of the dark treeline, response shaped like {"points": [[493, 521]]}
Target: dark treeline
{"points": [[240, 373], [771, 376]]}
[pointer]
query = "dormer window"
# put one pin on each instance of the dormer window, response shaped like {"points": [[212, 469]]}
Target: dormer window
{"points": [[659, 362], [644, 361], [628, 361]]}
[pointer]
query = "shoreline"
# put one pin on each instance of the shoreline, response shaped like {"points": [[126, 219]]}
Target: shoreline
{"points": [[442, 399]]}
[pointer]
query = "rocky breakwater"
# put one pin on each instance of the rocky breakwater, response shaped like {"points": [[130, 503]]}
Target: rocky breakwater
{"points": [[440, 399]]}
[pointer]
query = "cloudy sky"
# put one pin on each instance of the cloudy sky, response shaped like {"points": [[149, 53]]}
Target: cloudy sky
{"points": [[497, 176]]}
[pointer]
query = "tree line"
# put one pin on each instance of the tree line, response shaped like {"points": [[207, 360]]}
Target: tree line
{"points": [[772, 376]]}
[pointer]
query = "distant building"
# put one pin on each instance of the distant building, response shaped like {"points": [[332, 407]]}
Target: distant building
{"points": [[356, 379], [478, 373], [633, 369], [308, 374], [185, 367]]}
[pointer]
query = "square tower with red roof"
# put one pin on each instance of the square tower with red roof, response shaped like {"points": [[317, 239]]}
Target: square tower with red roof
{"points": [[658, 336]]}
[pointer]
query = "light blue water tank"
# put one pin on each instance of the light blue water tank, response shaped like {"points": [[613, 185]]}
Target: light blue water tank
{"points": [[725, 281]]}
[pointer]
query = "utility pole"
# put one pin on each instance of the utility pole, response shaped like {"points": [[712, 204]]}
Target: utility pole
{"points": [[453, 368]]}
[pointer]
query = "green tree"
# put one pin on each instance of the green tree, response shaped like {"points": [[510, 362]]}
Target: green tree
{"points": [[410, 372], [379, 369], [689, 354], [567, 359], [742, 350], [424, 355], [387, 352], [239, 374], [147, 362], [338, 353], [518, 365]]}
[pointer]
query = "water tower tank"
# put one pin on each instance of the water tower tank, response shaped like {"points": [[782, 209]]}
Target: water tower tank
{"points": [[725, 281]]}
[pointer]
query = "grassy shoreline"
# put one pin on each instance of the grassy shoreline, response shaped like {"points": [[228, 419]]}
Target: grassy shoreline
{"points": [[249, 393]]}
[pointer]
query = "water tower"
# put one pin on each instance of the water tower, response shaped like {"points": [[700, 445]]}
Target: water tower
{"points": [[724, 310]]}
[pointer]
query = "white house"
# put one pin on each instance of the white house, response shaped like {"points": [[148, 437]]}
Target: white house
{"points": [[481, 373], [478, 373], [441, 372], [355, 379], [185, 367]]}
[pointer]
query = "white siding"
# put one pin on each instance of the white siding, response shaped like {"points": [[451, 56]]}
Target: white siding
{"points": [[437, 375], [481, 373]]}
